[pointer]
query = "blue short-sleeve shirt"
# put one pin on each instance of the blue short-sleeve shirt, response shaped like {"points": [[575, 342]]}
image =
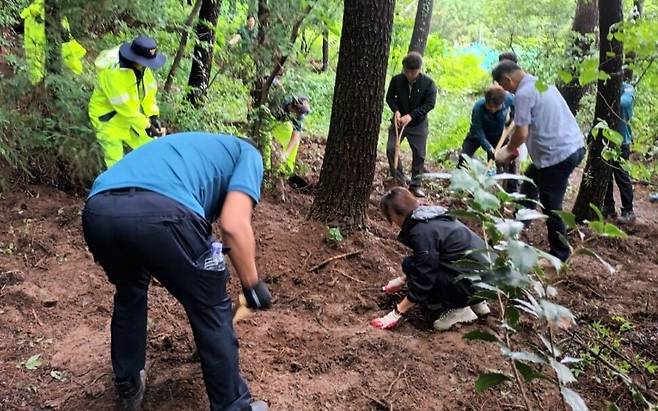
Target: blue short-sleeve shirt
{"points": [[196, 169]]}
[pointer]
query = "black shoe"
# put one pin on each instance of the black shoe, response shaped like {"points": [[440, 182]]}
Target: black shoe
{"points": [[131, 395], [626, 217], [259, 406], [609, 212], [417, 191]]}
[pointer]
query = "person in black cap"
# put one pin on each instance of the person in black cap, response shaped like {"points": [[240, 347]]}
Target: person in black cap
{"points": [[288, 131], [123, 107]]}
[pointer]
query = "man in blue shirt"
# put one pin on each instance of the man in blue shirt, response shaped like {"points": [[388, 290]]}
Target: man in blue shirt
{"points": [[488, 119], [620, 175], [152, 214]]}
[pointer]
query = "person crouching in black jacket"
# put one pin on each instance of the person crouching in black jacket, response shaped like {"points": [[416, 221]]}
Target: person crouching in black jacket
{"points": [[438, 241]]}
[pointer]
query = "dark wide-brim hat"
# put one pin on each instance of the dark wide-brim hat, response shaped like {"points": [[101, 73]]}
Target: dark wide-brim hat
{"points": [[143, 50]]}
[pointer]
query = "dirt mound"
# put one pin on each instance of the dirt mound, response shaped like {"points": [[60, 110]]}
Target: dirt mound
{"points": [[314, 350]]}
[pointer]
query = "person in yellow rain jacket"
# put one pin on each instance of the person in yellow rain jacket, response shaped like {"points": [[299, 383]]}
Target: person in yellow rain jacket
{"points": [[34, 41], [288, 131], [123, 107]]}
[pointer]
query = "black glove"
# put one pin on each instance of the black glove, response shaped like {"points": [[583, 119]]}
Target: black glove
{"points": [[258, 297], [152, 131], [155, 122], [491, 154]]}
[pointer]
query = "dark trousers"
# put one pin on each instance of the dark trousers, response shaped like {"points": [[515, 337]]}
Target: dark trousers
{"points": [[551, 184], [623, 182], [471, 145], [448, 292], [417, 137], [133, 234]]}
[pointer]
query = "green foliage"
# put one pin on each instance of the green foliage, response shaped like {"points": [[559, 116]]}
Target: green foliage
{"points": [[33, 362], [511, 269], [45, 141], [334, 235], [607, 340], [488, 380]]}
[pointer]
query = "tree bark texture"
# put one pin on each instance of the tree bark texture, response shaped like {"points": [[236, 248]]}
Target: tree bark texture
{"points": [[54, 37], [421, 26], [263, 21], [585, 22], [348, 168], [597, 171], [182, 45], [203, 51], [325, 49]]}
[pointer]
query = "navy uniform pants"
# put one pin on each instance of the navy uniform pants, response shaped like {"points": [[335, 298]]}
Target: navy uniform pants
{"points": [[134, 234]]}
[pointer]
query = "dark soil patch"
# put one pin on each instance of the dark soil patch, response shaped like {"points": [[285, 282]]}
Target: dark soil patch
{"points": [[315, 349]]}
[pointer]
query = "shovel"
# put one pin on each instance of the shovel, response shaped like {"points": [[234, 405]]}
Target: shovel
{"points": [[394, 181], [240, 310], [506, 132]]}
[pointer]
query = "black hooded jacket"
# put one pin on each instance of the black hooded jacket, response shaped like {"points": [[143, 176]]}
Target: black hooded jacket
{"points": [[438, 240]]}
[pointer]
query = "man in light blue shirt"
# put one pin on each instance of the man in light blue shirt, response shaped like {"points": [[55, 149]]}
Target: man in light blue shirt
{"points": [[152, 214], [555, 144]]}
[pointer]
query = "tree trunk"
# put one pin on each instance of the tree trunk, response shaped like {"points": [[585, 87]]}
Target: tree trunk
{"points": [[263, 21], [584, 24], [281, 61], [54, 37], [182, 45], [325, 49], [597, 171], [421, 26], [348, 168], [203, 51]]}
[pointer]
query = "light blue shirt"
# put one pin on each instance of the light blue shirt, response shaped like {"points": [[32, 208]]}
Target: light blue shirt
{"points": [[553, 133], [626, 102], [196, 169]]}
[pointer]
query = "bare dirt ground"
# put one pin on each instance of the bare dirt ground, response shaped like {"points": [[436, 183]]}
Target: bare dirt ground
{"points": [[314, 350]]}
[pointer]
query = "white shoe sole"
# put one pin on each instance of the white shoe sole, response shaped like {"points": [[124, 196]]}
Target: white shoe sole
{"points": [[465, 316], [481, 308]]}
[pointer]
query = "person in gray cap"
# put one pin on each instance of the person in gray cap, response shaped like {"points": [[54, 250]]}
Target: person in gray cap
{"points": [[123, 107]]}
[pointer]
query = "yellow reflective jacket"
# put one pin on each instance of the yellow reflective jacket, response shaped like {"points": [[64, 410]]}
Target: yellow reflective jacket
{"points": [[117, 95], [72, 51], [34, 40]]}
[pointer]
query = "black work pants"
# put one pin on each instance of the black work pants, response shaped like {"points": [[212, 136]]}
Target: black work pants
{"points": [[133, 234], [623, 182], [550, 186], [417, 137], [447, 291]]}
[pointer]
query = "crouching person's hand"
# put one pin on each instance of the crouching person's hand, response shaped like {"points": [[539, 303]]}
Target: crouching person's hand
{"points": [[394, 285], [258, 297], [387, 322]]}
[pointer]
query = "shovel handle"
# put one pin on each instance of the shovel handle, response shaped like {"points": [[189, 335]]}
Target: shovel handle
{"points": [[398, 137], [506, 132]]}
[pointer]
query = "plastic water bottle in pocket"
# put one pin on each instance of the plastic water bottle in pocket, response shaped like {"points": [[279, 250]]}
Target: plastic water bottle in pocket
{"points": [[215, 262]]}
